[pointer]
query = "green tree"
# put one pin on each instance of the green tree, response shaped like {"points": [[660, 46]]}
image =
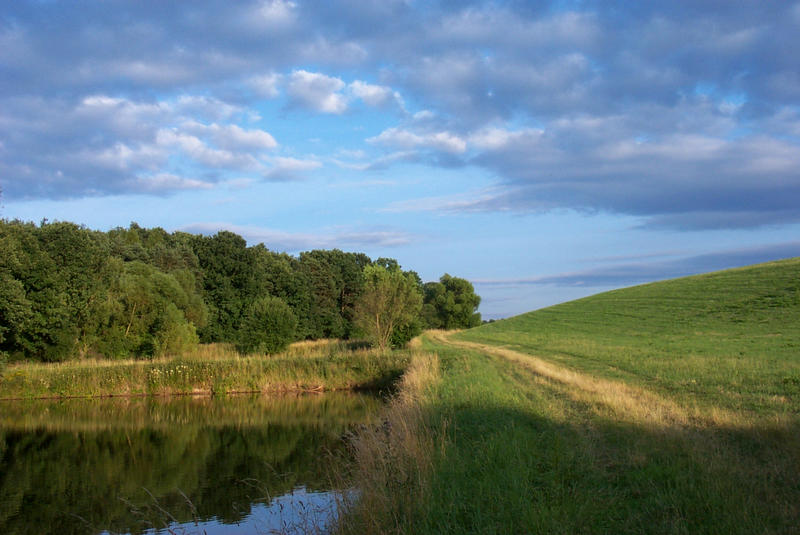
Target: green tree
{"points": [[391, 301], [145, 313], [268, 326], [335, 281], [450, 303], [227, 276]]}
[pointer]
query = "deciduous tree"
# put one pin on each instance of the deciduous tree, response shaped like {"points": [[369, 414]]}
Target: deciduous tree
{"points": [[391, 300]]}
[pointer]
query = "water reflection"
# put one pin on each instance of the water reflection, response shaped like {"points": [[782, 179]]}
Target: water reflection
{"points": [[128, 466]]}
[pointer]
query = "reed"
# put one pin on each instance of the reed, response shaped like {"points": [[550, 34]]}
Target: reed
{"points": [[394, 460], [217, 369]]}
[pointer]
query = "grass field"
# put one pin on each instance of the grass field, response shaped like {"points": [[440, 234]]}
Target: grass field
{"points": [[667, 408], [305, 366], [729, 340]]}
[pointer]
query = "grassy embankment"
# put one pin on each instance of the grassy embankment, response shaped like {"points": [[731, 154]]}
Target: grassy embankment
{"points": [[667, 408], [305, 366]]}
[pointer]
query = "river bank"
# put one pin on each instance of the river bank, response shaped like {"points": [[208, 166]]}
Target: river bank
{"points": [[212, 370]]}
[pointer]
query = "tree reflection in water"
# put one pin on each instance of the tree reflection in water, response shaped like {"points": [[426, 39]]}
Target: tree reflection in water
{"points": [[126, 466]]}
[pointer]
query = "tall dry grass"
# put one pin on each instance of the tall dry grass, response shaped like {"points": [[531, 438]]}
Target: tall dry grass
{"points": [[393, 461], [213, 369]]}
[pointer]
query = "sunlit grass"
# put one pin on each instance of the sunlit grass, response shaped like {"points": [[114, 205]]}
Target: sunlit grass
{"points": [[669, 408], [394, 461], [727, 340], [215, 369]]}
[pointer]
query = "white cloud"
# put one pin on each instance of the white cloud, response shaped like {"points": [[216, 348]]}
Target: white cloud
{"points": [[275, 15], [210, 107], [198, 150], [317, 91], [375, 95], [124, 117], [122, 157], [233, 137], [266, 85], [496, 138], [441, 141]]}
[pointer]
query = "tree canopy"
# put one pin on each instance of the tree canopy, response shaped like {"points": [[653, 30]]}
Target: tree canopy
{"points": [[451, 303], [68, 292], [391, 301]]}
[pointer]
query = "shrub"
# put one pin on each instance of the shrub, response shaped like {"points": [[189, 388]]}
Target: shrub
{"points": [[267, 327], [402, 334]]}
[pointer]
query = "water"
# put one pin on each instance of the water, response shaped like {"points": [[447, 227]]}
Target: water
{"points": [[181, 465]]}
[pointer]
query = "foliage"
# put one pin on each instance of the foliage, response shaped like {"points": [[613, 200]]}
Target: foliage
{"points": [[268, 327], [67, 292], [450, 303], [335, 280], [391, 301]]}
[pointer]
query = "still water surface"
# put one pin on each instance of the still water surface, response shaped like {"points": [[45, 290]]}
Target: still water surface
{"points": [[240, 464]]}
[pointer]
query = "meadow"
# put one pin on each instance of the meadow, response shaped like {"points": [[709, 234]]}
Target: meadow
{"points": [[212, 369], [665, 408]]}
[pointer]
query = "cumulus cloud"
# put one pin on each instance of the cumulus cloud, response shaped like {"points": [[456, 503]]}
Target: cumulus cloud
{"points": [[406, 139], [375, 95], [266, 85], [328, 94], [100, 145], [233, 136], [272, 14], [200, 151], [683, 113], [317, 92]]}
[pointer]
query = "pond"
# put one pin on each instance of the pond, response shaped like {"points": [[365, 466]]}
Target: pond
{"points": [[238, 464]]}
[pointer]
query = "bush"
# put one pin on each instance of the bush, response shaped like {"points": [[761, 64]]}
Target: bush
{"points": [[175, 336], [268, 326], [403, 334]]}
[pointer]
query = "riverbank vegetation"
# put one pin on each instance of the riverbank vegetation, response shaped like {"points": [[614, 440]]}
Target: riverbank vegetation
{"points": [[69, 293], [305, 367], [666, 408]]}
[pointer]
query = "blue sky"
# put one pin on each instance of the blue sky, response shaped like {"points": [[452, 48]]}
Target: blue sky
{"points": [[543, 150]]}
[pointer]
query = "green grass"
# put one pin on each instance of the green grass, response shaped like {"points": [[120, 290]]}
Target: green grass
{"points": [[668, 408], [729, 339], [317, 366]]}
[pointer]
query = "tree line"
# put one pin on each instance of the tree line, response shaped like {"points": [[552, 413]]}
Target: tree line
{"points": [[69, 292]]}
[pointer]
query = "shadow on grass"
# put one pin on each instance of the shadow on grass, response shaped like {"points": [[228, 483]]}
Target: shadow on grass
{"points": [[509, 471]]}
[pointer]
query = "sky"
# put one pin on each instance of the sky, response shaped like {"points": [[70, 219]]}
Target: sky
{"points": [[542, 150]]}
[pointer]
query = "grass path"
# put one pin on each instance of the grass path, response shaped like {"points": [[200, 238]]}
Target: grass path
{"points": [[626, 402], [527, 445]]}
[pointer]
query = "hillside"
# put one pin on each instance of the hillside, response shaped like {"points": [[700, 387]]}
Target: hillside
{"points": [[667, 408], [729, 338]]}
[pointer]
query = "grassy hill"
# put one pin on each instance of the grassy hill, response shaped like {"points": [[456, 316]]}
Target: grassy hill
{"points": [[669, 408], [730, 338]]}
